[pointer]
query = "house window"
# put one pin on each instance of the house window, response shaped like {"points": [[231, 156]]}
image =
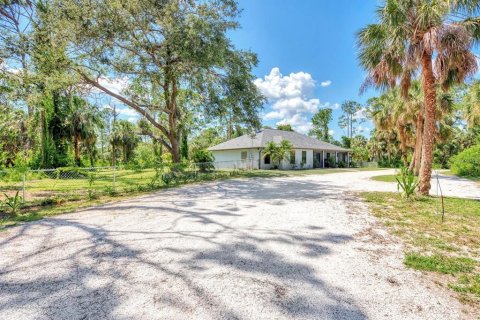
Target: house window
{"points": [[266, 160], [244, 155], [304, 156], [292, 157]]}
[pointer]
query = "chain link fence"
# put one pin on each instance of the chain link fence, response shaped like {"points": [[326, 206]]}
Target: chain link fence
{"points": [[49, 186]]}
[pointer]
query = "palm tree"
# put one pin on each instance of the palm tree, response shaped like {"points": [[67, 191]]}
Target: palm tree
{"points": [[471, 104], [278, 152], [389, 112], [125, 137], [83, 120], [433, 36]]}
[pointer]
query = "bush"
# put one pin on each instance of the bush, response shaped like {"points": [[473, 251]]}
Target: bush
{"points": [[467, 162], [205, 160], [330, 162]]}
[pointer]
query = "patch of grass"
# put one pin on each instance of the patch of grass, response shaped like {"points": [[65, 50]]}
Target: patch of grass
{"points": [[452, 247], [33, 216], [467, 284], [439, 263], [385, 178]]}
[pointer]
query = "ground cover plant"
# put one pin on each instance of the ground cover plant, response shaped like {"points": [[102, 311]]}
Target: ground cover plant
{"points": [[449, 251]]}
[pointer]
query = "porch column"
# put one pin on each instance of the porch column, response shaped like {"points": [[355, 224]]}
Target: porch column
{"points": [[336, 157], [323, 159]]}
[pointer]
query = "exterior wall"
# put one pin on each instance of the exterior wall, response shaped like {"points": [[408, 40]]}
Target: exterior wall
{"points": [[285, 165], [226, 159], [229, 159]]}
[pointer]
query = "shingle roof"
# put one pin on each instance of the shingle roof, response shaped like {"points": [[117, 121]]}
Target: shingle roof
{"points": [[260, 139]]}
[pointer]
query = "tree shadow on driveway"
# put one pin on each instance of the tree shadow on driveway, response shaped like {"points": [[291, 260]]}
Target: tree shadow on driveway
{"points": [[173, 256]]}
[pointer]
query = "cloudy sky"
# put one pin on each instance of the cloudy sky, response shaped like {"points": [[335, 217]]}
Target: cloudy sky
{"points": [[307, 56]]}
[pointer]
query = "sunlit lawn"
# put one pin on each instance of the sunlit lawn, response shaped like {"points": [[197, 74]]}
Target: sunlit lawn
{"points": [[385, 178], [450, 248]]}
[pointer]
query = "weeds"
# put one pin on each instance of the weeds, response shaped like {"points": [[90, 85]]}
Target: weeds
{"points": [[14, 203], [407, 182]]}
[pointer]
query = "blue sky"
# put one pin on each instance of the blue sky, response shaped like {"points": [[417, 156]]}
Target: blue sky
{"points": [[313, 38]]}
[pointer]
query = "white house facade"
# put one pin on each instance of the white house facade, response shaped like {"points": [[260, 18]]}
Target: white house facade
{"points": [[247, 152]]}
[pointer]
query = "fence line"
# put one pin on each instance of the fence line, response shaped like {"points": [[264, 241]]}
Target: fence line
{"points": [[46, 186]]}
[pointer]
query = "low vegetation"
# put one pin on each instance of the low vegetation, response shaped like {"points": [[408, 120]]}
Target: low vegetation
{"points": [[449, 251], [385, 178], [467, 163]]}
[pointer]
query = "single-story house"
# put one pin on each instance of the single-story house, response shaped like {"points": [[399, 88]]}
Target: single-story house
{"points": [[247, 151]]}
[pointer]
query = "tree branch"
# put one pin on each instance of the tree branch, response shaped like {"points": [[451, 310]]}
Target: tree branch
{"points": [[129, 103]]}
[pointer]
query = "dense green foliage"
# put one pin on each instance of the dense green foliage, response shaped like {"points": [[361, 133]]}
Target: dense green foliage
{"points": [[467, 162], [284, 127], [320, 122], [75, 70]]}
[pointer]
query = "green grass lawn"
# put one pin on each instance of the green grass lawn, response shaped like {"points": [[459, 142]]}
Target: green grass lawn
{"points": [[385, 178], [450, 251]]}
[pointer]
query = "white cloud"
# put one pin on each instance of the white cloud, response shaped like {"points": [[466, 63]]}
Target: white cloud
{"points": [[325, 83], [360, 114], [361, 129], [331, 132], [276, 86], [333, 106], [127, 112], [6, 68], [116, 85], [292, 98]]}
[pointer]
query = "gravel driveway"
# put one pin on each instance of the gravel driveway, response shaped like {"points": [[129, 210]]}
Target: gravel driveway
{"points": [[282, 248]]}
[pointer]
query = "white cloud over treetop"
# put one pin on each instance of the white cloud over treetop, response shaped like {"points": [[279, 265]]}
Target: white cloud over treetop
{"points": [[276, 86], [292, 98]]}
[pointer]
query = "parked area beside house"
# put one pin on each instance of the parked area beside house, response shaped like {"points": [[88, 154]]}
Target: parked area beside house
{"points": [[307, 152]]}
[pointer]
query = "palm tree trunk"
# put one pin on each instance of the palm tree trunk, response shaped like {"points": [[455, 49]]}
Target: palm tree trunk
{"points": [[403, 144], [418, 144], [430, 94]]}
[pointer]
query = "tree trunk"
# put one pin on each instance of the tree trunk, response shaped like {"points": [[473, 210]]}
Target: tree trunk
{"points": [[113, 155], [403, 144], [430, 94], [418, 144], [175, 149], [76, 147]]}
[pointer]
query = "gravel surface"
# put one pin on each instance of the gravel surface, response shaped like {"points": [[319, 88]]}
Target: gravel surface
{"points": [[451, 186], [282, 248]]}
